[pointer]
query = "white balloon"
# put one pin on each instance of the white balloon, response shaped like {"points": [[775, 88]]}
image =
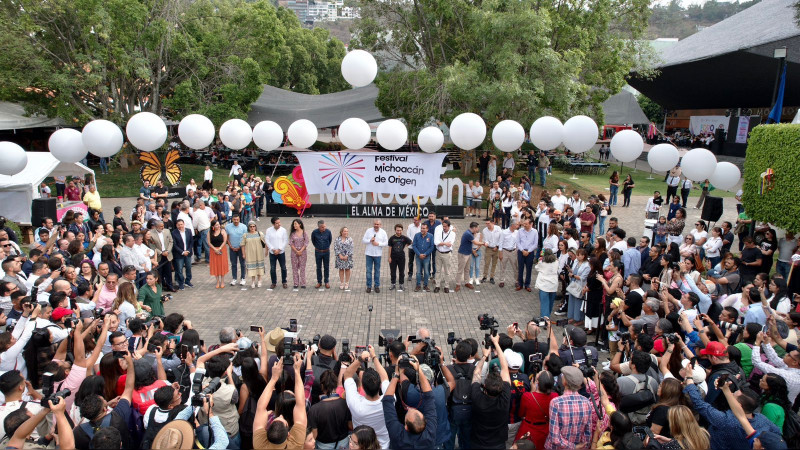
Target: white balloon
{"points": [[354, 133], [580, 134], [302, 133], [146, 131], [66, 145], [663, 157], [508, 135], [13, 158], [726, 176], [391, 134], [359, 68], [627, 145], [196, 131], [430, 139], [236, 134], [698, 164], [547, 133], [467, 131], [102, 138], [267, 135]]}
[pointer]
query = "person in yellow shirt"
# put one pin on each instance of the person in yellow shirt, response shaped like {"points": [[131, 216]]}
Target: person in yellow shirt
{"points": [[92, 199]]}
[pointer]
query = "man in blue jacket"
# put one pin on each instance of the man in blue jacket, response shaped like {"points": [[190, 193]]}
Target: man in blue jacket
{"points": [[423, 248], [419, 430], [182, 254]]}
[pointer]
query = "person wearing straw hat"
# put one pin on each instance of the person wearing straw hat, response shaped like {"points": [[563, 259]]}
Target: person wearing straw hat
{"points": [[179, 434]]}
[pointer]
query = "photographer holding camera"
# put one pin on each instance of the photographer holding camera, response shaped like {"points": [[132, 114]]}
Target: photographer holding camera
{"points": [[419, 429], [490, 401], [20, 425], [217, 364], [13, 343], [367, 409], [530, 345], [94, 409], [573, 348]]}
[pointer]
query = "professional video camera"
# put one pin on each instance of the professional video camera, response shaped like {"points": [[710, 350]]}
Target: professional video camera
{"points": [[586, 367], [289, 349], [488, 322], [47, 391], [724, 326], [199, 393], [385, 339], [344, 356], [535, 360], [431, 355]]}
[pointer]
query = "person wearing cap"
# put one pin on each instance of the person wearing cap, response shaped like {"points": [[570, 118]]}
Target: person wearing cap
{"points": [[277, 434], [321, 239], [724, 428], [717, 354], [419, 429], [491, 402], [520, 384], [570, 414], [573, 348], [179, 434]]}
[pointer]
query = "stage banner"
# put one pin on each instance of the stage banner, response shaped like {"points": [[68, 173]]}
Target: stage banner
{"points": [[707, 124], [741, 130], [380, 173]]}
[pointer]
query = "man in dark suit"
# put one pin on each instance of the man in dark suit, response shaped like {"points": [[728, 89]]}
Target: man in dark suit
{"points": [[162, 246], [182, 245]]}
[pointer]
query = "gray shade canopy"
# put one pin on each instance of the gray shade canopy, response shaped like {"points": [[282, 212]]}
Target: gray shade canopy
{"points": [[327, 110], [622, 109], [12, 117]]}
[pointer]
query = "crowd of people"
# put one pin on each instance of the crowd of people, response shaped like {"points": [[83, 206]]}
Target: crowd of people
{"points": [[694, 344]]}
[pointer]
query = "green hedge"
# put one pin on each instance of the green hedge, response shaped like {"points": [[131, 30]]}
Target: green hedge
{"points": [[777, 147]]}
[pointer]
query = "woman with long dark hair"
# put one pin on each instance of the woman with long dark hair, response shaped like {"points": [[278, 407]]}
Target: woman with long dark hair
{"points": [[363, 437], [768, 247], [594, 295], [627, 190], [535, 406], [779, 300], [298, 241], [109, 256], [253, 384], [670, 394], [613, 185], [774, 398], [113, 370]]}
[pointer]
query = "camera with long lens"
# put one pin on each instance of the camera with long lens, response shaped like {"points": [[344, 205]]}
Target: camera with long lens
{"points": [[199, 393], [488, 322], [388, 336], [432, 354], [47, 391], [540, 322], [404, 362], [586, 367], [70, 322], [724, 326], [672, 338]]}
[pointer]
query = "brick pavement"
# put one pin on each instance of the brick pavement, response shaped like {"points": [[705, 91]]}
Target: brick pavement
{"points": [[344, 314]]}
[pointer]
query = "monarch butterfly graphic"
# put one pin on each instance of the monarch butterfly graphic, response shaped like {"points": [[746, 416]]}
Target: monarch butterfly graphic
{"points": [[152, 170]]}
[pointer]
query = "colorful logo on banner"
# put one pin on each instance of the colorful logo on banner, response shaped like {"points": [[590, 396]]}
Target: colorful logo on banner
{"points": [[342, 172], [290, 190]]}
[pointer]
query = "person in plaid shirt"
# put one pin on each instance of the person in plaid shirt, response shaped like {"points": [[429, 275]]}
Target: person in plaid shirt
{"points": [[570, 414]]}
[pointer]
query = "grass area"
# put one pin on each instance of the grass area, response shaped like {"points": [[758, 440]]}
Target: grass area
{"points": [[126, 182]]}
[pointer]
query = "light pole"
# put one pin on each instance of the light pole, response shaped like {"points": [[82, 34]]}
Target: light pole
{"points": [[780, 54]]}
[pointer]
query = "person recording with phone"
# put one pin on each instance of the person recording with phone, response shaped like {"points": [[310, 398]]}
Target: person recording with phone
{"points": [[490, 400]]}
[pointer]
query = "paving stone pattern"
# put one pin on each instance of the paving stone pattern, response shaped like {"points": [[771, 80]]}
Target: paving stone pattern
{"points": [[345, 314]]}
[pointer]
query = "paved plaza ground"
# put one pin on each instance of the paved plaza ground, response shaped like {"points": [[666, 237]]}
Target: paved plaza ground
{"points": [[345, 314]]}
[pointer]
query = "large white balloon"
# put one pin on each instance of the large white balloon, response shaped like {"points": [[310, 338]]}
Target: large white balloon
{"points": [[236, 134], [698, 164], [726, 176], [627, 145], [359, 68], [66, 145], [267, 135], [663, 157], [354, 133], [302, 133], [580, 134], [391, 134], [547, 133], [13, 158], [196, 131], [430, 139], [146, 131], [102, 138], [508, 135], [467, 131]]}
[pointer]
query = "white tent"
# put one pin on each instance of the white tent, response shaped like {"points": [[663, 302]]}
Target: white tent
{"points": [[18, 191], [12, 117]]}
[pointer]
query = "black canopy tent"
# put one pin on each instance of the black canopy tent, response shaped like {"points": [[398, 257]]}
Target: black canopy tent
{"points": [[729, 64]]}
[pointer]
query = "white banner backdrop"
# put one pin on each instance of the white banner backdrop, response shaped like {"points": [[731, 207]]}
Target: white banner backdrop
{"points": [[381, 173], [741, 130], [707, 124]]}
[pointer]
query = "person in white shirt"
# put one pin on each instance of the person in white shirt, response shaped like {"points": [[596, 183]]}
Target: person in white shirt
{"points": [[277, 239], [208, 178], [375, 239], [575, 201], [368, 409], [492, 238], [477, 201], [468, 198], [186, 216], [18, 393], [235, 168], [686, 188], [559, 200], [443, 238], [509, 163], [129, 256], [508, 253], [412, 231], [673, 181], [11, 350], [201, 222], [618, 236], [45, 190], [145, 253]]}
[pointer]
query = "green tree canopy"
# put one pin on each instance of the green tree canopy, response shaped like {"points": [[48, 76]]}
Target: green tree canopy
{"points": [[651, 109], [503, 59], [86, 59]]}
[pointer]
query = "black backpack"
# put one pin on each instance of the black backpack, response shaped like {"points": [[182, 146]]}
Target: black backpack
{"points": [[154, 427], [461, 397], [90, 428]]}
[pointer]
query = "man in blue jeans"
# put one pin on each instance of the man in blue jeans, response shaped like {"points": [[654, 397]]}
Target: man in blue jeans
{"points": [[527, 242], [236, 230], [182, 254], [375, 239], [423, 248], [321, 239]]}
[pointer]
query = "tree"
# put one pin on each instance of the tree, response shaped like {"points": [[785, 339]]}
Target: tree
{"points": [[87, 59], [651, 109], [515, 59]]}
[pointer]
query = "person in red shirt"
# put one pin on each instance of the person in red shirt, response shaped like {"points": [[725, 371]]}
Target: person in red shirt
{"points": [[73, 193], [587, 219], [146, 382]]}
